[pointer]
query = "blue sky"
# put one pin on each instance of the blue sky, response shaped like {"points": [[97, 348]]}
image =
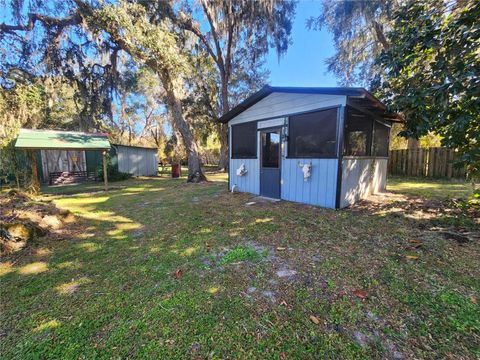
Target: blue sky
{"points": [[304, 62]]}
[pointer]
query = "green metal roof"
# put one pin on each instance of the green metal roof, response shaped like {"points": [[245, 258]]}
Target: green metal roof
{"points": [[53, 139]]}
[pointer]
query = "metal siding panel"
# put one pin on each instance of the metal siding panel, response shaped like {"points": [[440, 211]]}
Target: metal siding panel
{"points": [[153, 163], [132, 161], [142, 161], [120, 159], [122, 155], [148, 162]]}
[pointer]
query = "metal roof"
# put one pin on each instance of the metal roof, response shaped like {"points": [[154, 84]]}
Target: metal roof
{"points": [[357, 94], [136, 146], [66, 140]]}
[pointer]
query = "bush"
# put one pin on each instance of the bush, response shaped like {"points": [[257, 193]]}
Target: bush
{"points": [[113, 173]]}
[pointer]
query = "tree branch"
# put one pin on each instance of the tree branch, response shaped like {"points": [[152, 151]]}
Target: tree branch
{"points": [[380, 35], [46, 20], [187, 24], [221, 62]]}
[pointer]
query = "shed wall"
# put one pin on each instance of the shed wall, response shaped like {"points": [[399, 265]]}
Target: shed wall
{"points": [[137, 161], [250, 182], [362, 177], [319, 190], [282, 104]]}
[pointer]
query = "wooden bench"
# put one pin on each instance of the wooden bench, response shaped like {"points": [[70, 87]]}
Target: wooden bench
{"points": [[71, 177]]}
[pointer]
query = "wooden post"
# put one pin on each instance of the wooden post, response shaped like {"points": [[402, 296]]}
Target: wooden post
{"points": [[33, 163], [105, 177]]}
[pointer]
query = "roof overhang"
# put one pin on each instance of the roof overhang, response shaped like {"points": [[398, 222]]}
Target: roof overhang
{"points": [[355, 95], [61, 140]]}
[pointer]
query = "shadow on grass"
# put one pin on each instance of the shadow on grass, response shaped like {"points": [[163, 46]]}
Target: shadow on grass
{"points": [[112, 288]]}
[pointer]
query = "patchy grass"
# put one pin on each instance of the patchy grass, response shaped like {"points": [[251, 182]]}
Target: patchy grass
{"points": [[240, 253], [131, 282], [431, 188], [446, 203]]}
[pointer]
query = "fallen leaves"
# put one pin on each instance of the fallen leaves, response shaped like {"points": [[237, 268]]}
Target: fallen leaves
{"points": [[411, 257], [314, 319], [416, 243], [178, 274], [361, 294]]}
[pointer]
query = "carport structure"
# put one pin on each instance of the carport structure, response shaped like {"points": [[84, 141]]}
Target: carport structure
{"points": [[68, 141]]}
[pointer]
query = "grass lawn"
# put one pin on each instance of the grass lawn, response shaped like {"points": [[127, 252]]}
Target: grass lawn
{"points": [[163, 269], [431, 189]]}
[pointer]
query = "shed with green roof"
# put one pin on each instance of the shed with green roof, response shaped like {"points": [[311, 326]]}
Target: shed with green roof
{"points": [[64, 154]]}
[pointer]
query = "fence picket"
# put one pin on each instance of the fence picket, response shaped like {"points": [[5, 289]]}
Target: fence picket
{"points": [[425, 162]]}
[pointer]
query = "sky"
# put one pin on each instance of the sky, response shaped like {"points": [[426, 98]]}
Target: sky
{"points": [[304, 62]]}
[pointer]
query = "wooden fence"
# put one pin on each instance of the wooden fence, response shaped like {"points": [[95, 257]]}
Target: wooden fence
{"points": [[426, 162]]}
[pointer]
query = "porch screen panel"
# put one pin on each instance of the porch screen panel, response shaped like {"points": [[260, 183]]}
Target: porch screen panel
{"points": [[313, 135], [381, 136], [244, 141], [358, 134]]}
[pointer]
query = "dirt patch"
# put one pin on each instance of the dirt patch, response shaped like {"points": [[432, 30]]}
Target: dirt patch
{"points": [[23, 219], [454, 218]]}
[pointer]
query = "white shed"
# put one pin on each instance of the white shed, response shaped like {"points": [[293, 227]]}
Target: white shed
{"points": [[136, 160]]}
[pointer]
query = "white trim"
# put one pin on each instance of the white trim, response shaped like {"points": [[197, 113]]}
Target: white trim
{"points": [[270, 123]]}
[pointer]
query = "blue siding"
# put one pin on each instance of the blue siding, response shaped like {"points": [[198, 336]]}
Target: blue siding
{"points": [[250, 182], [319, 190]]}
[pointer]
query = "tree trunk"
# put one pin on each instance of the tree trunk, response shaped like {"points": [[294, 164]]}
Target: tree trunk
{"points": [[195, 173], [35, 184], [223, 129], [224, 155]]}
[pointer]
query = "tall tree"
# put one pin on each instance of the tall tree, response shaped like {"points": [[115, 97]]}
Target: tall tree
{"points": [[432, 73], [82, 41], [157, 46], [49, 41], [237, 35], [359, 33]]}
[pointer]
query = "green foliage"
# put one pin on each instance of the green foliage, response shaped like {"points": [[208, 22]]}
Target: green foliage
{"points": [[400, 142], [432, 72], [240, 253], [113, 173], [129, 24], [358, 28], [236, 36]]}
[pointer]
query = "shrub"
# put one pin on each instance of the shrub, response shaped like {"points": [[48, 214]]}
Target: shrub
{"points": [[113, 173]]}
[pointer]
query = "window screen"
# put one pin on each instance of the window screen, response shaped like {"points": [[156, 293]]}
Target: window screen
{"points": [[244, 141], [358, 134], [313, 135], [380, 139]]}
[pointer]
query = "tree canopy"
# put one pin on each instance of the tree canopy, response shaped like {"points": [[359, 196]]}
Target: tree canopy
{"points": [[203, 57], [432, 73], [359, 35]]}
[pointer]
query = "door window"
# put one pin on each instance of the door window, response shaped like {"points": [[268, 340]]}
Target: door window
{"points": [[271, 149]]}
